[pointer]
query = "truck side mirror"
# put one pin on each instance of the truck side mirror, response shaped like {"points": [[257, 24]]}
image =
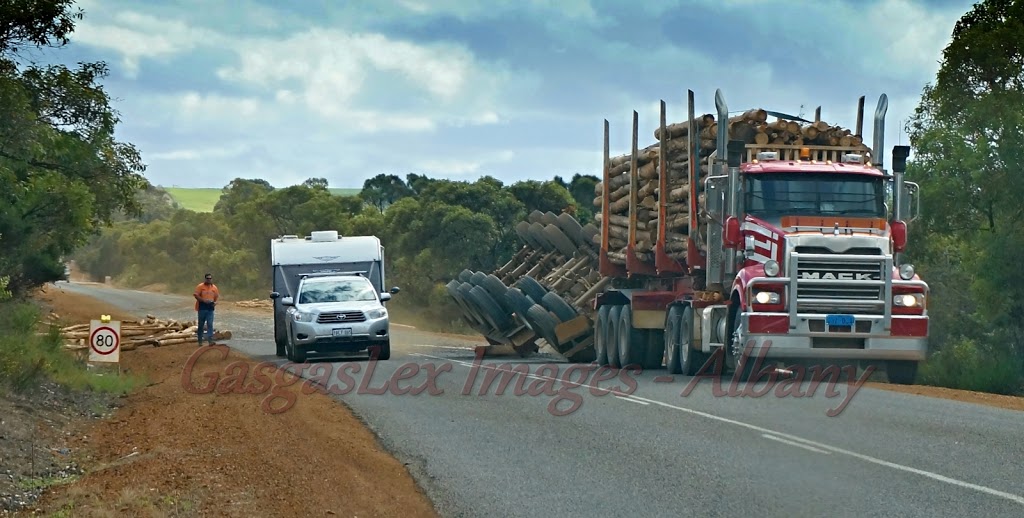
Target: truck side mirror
{"points": [[395, 290], [384, 297], [899, 235], [287, 301], [274, 295], [732, 232]]}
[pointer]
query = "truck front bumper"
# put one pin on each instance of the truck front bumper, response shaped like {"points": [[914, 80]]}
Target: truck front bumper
{"points": [[769, 335]]}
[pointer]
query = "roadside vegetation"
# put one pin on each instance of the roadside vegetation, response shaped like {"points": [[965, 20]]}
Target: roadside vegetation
{"points": [[63, 175]]}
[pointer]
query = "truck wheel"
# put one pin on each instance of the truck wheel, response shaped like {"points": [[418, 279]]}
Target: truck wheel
{"points": [[543, 324], [690, 359], [482, 324], [741, 367], [673, 323], [535, 217], [477, 278], [532, 288], [901, 372], [562, 243], [537, 231], [572, 229], [601, 336], [519, 302], [612, 344], [557, 305], [632, 346], [497, 290], [489, 309]]}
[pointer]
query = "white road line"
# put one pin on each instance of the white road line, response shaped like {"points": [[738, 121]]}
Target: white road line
{"points": [[928, 474], [794, 443], [631, 400], [443, 347]]}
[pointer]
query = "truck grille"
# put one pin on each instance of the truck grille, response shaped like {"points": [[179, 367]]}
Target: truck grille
{"points": [[838, 284], [341, 317]]}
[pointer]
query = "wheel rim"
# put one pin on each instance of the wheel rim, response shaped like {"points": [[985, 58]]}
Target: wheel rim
{"points": [[624, 332], [671, 333], [736, 351], [684, 344]]}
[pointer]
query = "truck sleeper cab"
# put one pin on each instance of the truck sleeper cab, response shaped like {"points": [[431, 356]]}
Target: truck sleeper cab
{"points": [[336, 313]]}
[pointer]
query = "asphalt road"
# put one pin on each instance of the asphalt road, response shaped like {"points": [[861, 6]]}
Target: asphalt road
{"points": [[652, 451]]}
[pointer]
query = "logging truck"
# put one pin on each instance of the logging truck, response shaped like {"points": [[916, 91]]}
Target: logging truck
{"points": [[732, 240]]}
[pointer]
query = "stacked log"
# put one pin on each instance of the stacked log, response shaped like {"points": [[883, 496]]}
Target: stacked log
{"points": [[148, 331], [751, 127]]}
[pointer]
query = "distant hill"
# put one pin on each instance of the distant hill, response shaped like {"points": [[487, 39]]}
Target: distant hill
{"points": [[203, 199]]}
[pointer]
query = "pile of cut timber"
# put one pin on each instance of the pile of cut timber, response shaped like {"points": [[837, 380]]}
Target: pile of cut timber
{"points": [[148, 331], [751, 127]]}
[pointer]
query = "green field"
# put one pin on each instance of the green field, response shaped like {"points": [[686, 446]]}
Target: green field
{"points": [[203, 199]]}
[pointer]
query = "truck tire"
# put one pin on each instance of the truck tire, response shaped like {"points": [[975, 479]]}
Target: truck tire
{"points": [[673, 339], [563, 244], [549, 218], [535, 217], [612, 344], [572, 229], [489, 309], [901, 372], [557, 305], [467, 313], [497, 290], [532, 288], [477, 278], [519, 302], [742, 368], [631, 341], [690, 359], [523, 230], [601, 336], [590, 231], [543, 324], [537, 232], [482, 325], [465, 275]]}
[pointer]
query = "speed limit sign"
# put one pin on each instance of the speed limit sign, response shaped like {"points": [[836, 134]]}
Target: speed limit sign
{"points": [[104, 341]]}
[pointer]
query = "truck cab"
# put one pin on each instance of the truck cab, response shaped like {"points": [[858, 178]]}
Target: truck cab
{"points": [[815, 251]]}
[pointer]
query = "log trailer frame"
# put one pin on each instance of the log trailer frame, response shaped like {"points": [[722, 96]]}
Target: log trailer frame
{"points": [[797, 288]]}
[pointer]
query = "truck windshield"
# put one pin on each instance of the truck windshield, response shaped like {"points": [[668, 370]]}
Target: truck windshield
{"points": [[779, 194], [340, 290]]}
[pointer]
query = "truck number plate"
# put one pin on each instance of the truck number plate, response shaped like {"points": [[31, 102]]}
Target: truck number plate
{"points": [[839, 320], [345, 331]]}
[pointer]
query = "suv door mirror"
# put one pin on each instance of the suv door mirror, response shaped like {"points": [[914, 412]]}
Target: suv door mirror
{"points": [[395, 290], [274, 295], [384, 297], [287, 301]]}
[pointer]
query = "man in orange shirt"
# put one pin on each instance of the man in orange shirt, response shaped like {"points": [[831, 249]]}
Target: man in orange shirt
{"points": [[206, 295]]}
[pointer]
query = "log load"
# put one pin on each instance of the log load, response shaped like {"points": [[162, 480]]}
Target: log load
{"points": [[751, 127], [148, 331]]}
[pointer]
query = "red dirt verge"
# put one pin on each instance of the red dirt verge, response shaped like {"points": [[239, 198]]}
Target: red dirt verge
{"points": [[168, 452]]}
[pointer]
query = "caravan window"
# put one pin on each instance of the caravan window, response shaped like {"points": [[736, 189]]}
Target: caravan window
{"points": [[337, 290]]}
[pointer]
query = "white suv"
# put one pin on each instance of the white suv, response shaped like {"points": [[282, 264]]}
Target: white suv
{"points": [[336, 313]]}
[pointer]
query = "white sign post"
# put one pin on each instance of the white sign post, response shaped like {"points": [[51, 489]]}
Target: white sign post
{"points": [[105, 341]]}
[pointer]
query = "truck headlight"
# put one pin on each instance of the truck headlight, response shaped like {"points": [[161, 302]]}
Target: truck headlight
{"points": [[771, 268], [908, 300], [300, 316], [906, 271], [377, 313], [766, 297]]}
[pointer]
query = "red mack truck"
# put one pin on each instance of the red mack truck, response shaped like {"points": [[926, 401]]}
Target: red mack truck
{"points": [[792, 254]]}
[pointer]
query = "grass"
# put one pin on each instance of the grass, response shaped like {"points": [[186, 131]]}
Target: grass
{"points": [[28, 356], [203, 199]]}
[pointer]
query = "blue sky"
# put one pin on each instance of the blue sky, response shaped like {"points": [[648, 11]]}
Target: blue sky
{"points": [[348, 89]]}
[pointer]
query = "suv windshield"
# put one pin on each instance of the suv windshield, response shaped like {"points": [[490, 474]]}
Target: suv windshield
{"points": [[828, 194], [339, 290]]}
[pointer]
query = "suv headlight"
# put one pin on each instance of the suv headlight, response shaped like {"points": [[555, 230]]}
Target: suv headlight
{"points": [[771, 268], [906, 271], [300, 316], [377, 313]]}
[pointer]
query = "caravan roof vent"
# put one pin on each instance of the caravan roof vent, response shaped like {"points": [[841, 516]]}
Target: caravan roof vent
{"points": [[323, 235]]}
